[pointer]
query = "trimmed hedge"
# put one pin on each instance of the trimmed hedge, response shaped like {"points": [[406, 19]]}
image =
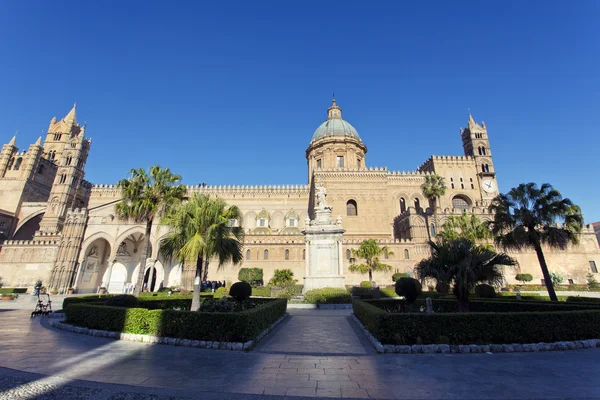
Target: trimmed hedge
{"points": [[477, 328], [577, 299], [9, 290], [366, 293], [484, 305], [328, 295], [261, 291], [215, 326]]}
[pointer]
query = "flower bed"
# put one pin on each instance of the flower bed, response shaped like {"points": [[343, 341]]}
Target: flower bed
{"points": [[505, 327], [207, 326]]}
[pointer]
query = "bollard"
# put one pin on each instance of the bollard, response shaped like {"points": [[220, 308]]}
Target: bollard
{"points": [[429, 305]]}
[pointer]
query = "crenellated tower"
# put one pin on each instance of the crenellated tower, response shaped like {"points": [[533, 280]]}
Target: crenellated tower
{"points": [[67, 146], [7, 156], [476, 144]]}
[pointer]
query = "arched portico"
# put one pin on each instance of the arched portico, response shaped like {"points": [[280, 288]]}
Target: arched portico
{"points": [[94, 264]]}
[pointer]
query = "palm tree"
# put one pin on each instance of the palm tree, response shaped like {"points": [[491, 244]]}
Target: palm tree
{"points": [[145, 197], [370, 251], [529, 217], [464, 264], [466, 227], [433, 188], [201, 229]]}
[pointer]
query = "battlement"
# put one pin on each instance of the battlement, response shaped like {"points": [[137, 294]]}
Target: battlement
{"points": [[410, 173], [428, 165], [30, 243]]}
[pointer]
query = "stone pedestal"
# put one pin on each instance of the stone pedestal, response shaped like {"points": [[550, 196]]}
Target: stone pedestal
{"points": [[324, 259]]}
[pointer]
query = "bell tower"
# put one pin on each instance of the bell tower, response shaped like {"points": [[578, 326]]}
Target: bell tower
{"points": [[476, 144], [67, 146]]}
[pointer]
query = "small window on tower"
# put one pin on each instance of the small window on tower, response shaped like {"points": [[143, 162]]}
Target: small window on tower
{"points": [[319, 163], [262, 222], [292, 222], [593, 267], [340, 161], [57, 136], [358, 162]]}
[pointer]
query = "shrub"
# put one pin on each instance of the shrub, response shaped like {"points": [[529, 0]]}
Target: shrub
{"points": [[208, 326], [215, 305], [289, 291], [123, 300], [365, 284], [261, 291], [399, 275], [389, 292], [479, 327], [524, 278], [409, 288], [442, 288], [254, 276], [220, 292], [12, 290], [557, 279], [591, 281], [282, 277], [240, 291], [328, 295], [485, 291]]}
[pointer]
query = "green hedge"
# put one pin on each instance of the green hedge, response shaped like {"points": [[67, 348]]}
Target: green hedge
{"points": [[483, 305], [366, 293], [577, 299], [261, 291], [328, 296], [9, 290], [232, 327], [477, 328]]}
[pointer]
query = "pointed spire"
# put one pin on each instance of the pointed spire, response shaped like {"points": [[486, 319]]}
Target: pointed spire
{"points": [[13, 141], [39, 141], [71, 116]]}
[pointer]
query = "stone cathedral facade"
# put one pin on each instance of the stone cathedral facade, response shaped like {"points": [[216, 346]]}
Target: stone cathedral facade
{"points": [[56, 226]]}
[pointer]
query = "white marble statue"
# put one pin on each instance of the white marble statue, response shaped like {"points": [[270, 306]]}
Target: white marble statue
{"points": [[321, 197]]}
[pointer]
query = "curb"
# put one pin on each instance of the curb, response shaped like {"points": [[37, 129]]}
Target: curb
{"points": [[320, 306], [475, 348], [236, 346]]}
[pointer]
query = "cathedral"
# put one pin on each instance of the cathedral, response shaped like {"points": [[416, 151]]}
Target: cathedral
{"points": [[60, 228]]}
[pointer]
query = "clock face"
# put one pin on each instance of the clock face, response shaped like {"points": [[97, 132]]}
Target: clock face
{"points": [[488, 185]]}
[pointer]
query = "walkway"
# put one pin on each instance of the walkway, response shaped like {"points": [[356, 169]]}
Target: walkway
{"points": [[70, 366]]}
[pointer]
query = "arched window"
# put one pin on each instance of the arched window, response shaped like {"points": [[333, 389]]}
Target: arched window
{"points": [[287, 254], [432, 230], [266, 255], [11, 162], [483, 151], [57, 136], [402, 205], [487, 168], [18, 163], [51, 155], [68, 160], [348, 254], [41, 169], [417, 205], [460, 202], [351, 208], [248, 254], [406, 255], [63, 178]]}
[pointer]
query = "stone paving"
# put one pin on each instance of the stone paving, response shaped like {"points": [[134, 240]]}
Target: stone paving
{"points": [[47, 363]]}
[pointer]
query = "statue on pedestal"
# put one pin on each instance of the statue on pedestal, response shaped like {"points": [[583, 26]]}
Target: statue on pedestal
{"points": [[321, 197]]}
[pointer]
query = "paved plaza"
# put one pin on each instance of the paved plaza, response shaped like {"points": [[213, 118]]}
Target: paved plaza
{"points": [[314, 353]]}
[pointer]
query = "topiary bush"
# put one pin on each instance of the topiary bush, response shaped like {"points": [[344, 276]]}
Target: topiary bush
{"points": [[365, 284], [442, 288], [485, 291], [399, 275], [123, 300], [328, 295], [254, 276], [409, 288], [524, 278], [240, 291]]}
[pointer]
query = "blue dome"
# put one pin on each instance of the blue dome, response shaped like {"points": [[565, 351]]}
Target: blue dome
{"points": [[335, 127]]}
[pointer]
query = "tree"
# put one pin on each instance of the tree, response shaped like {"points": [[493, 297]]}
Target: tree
{"points": [[530, 217], [465, 226], [282, 277], [556, 279], [201, 229], [464, 264], [433, 188], [370, 251], [145, 197]]}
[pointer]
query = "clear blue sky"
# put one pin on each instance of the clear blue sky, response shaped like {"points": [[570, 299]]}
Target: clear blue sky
{"points": [[231, 92]]}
